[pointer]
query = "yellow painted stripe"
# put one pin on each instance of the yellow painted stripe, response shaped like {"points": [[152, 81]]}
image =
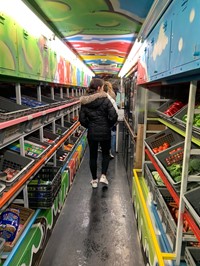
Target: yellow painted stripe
{"points": [[179, 131], [169, 256], [160, 256], [112, 58]]}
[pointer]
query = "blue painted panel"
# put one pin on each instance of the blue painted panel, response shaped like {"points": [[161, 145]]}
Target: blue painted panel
{"points": [[185, 36], [159, 42]]}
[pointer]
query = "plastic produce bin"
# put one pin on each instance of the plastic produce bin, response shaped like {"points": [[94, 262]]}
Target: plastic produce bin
{"points": [[35, 123], [192, 200], [10, 110], [178, 117], [165, 136], [48, 137], [11, 133], [59, 129], [164, 107], [152, 183], [169, 156], [61, 157], [44, 187], [192, 256], [162, 197], [14, 161]]}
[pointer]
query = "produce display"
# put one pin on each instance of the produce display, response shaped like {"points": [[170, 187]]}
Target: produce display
{"points": [[157, 178], [174, 108], [162, 147], [173, 207], [175, 169], [176, 155], [196, 118]]}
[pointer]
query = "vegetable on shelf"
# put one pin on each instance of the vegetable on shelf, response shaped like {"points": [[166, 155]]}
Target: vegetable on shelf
{"points": [[174, 108], [176, 155], [157, 178], [196, 118], [162, 147], [175, 169]]}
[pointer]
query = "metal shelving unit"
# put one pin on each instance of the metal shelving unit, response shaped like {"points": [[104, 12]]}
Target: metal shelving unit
{"points": [[59, 112], [185, 212]]}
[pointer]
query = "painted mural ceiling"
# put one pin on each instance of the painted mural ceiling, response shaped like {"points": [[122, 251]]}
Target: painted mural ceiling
{"points": [[101, 32]]}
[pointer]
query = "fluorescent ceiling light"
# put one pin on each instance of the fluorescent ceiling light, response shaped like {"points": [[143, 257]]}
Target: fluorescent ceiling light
{"points": [[26, 18], [156, 11], [131, 59]]}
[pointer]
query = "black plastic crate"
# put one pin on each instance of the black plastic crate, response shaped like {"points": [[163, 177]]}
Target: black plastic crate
{"points": [[48, 137], [163, 198], [35, 123], [61, 157], [11, 133], [151, 182], [51, 116], [165, 136], [192, 256], [59, 130], [192, 200], [67, 124], [47, 181], [19, 163], [179, 119], [10, 110], [172, 155]]}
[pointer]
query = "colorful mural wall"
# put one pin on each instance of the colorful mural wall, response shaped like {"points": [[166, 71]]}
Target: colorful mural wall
{"points": [[26, 56], [102, 32]]}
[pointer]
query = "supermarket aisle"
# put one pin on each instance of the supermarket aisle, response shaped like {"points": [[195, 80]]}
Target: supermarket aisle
{"points": [[96, 227]]}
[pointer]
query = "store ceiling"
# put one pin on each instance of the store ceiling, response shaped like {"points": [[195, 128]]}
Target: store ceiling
{"points": [[101, 32]]}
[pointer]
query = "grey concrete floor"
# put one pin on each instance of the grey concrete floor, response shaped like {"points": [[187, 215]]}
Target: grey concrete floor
{"points": [[96, 227]]}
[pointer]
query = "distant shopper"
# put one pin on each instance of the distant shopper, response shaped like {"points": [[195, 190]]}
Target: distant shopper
{"points": [[108, 88], [98, 115]]}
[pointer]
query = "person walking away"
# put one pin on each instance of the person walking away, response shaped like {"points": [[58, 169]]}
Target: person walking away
{"points": [[112, 97], [98, 115]]}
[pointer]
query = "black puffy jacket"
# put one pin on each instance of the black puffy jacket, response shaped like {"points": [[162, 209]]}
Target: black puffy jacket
{"points": [[98, 115]]}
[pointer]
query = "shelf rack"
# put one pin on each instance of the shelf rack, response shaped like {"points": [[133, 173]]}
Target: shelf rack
{"points": [[160, 255], [174, 195], [14, 189]]}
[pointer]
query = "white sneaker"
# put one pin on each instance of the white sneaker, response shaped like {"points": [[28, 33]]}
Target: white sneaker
{"points": [[94, 183], [103, 179], [111, 155]]}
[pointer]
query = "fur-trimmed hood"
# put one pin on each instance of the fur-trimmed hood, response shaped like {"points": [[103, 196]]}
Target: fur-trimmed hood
{"points": [[89, 98]]}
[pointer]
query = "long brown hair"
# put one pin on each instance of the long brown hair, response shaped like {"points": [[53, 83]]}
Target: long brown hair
{"points": [[94, 85]]}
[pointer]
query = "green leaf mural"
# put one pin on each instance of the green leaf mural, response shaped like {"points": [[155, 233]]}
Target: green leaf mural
{"points": [[96, 17]]}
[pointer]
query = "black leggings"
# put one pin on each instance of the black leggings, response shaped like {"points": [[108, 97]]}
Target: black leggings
{"points": [[93, 146]]}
